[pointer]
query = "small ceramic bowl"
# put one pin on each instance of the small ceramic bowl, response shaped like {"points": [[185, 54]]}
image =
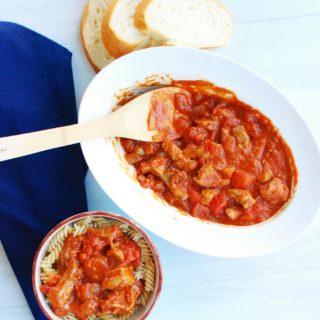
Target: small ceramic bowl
{"points": [[143, 311]]}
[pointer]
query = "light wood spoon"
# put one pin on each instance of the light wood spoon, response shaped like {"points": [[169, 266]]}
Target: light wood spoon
{"points": [[130, 121]]}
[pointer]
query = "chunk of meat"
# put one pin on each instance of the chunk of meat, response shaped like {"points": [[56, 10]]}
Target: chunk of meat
{"points": [[151, 147], [120, 302], [157, 166], [233, 213], [131, 251], [177, 182], [86, 309], [216, 149], [93, 244], [118, 278], [191, 151], [241, 135], [88, 291], [275, 191], [94, 267], [152, 182], [128, 144], [242, 196], [251, 124], [231, 122], [178, 157], [229, 142], [227, 172], [258, 147], [200, 211], [133, 158], [183, 205], [110, 233], [139, 150], [69, 252], [60, 295], [208, 177], [266, 175], [222, 113], [207, 195], [208, 124], [242, 179]]}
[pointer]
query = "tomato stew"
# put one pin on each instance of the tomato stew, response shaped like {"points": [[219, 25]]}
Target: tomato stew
{"points": [[96, 275], [229, 165]]}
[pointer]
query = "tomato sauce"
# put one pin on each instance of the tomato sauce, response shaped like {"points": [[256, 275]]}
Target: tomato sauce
{"points": [[229, 164], [95, 275]]}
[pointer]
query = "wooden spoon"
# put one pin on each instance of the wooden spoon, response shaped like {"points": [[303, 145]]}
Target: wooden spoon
{"points": [[129, 121]]}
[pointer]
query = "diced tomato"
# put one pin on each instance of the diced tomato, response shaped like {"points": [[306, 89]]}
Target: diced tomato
{"points": [[242, 179], [181, 124], [183, 103], [200, 211], [197, 134], [45, 289], [194, 195], [218, 204], [200, 110]]}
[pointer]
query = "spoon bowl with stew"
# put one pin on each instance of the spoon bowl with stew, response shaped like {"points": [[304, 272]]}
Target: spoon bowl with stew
{"points": [[148, 117]]}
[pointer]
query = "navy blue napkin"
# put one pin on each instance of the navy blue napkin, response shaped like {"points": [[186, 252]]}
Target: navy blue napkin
{"points": [[36, 191]]}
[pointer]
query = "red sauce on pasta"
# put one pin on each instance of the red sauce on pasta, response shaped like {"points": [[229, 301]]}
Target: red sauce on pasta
{"points": [[229, 165], [96, 275]]}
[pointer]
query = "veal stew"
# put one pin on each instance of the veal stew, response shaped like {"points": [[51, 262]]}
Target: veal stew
{"points": [[229, 165]]}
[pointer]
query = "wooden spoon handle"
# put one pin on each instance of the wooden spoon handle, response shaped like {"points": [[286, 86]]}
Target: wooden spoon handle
{"points": [[28, 143]]}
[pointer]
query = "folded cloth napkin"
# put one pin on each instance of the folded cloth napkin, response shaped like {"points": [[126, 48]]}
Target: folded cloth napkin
{"points": [[36, 191]]}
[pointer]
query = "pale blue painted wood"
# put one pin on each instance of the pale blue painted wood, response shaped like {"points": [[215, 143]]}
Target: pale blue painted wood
{"points": [[278, 39]]}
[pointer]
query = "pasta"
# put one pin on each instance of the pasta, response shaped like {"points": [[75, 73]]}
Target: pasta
{"points": [[145, 271]]}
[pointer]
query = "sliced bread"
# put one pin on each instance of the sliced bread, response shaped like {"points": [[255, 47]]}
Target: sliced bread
{"points": [[92, 43], [200, 24], [119, 35]]}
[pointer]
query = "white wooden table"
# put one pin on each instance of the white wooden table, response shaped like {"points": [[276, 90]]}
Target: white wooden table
{"points": [[280, 39]]}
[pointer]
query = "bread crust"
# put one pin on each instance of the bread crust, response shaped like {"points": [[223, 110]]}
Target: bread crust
{"points": [[89, 24], [82, 23], [138, 18], [115, 46]]}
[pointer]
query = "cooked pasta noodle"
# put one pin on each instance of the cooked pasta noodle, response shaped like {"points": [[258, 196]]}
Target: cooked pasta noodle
{"points": [[145, 271]]}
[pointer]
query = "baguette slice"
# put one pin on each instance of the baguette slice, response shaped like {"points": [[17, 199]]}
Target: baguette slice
{"points": [[200, 24], [119, 35], [92, 43]]}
